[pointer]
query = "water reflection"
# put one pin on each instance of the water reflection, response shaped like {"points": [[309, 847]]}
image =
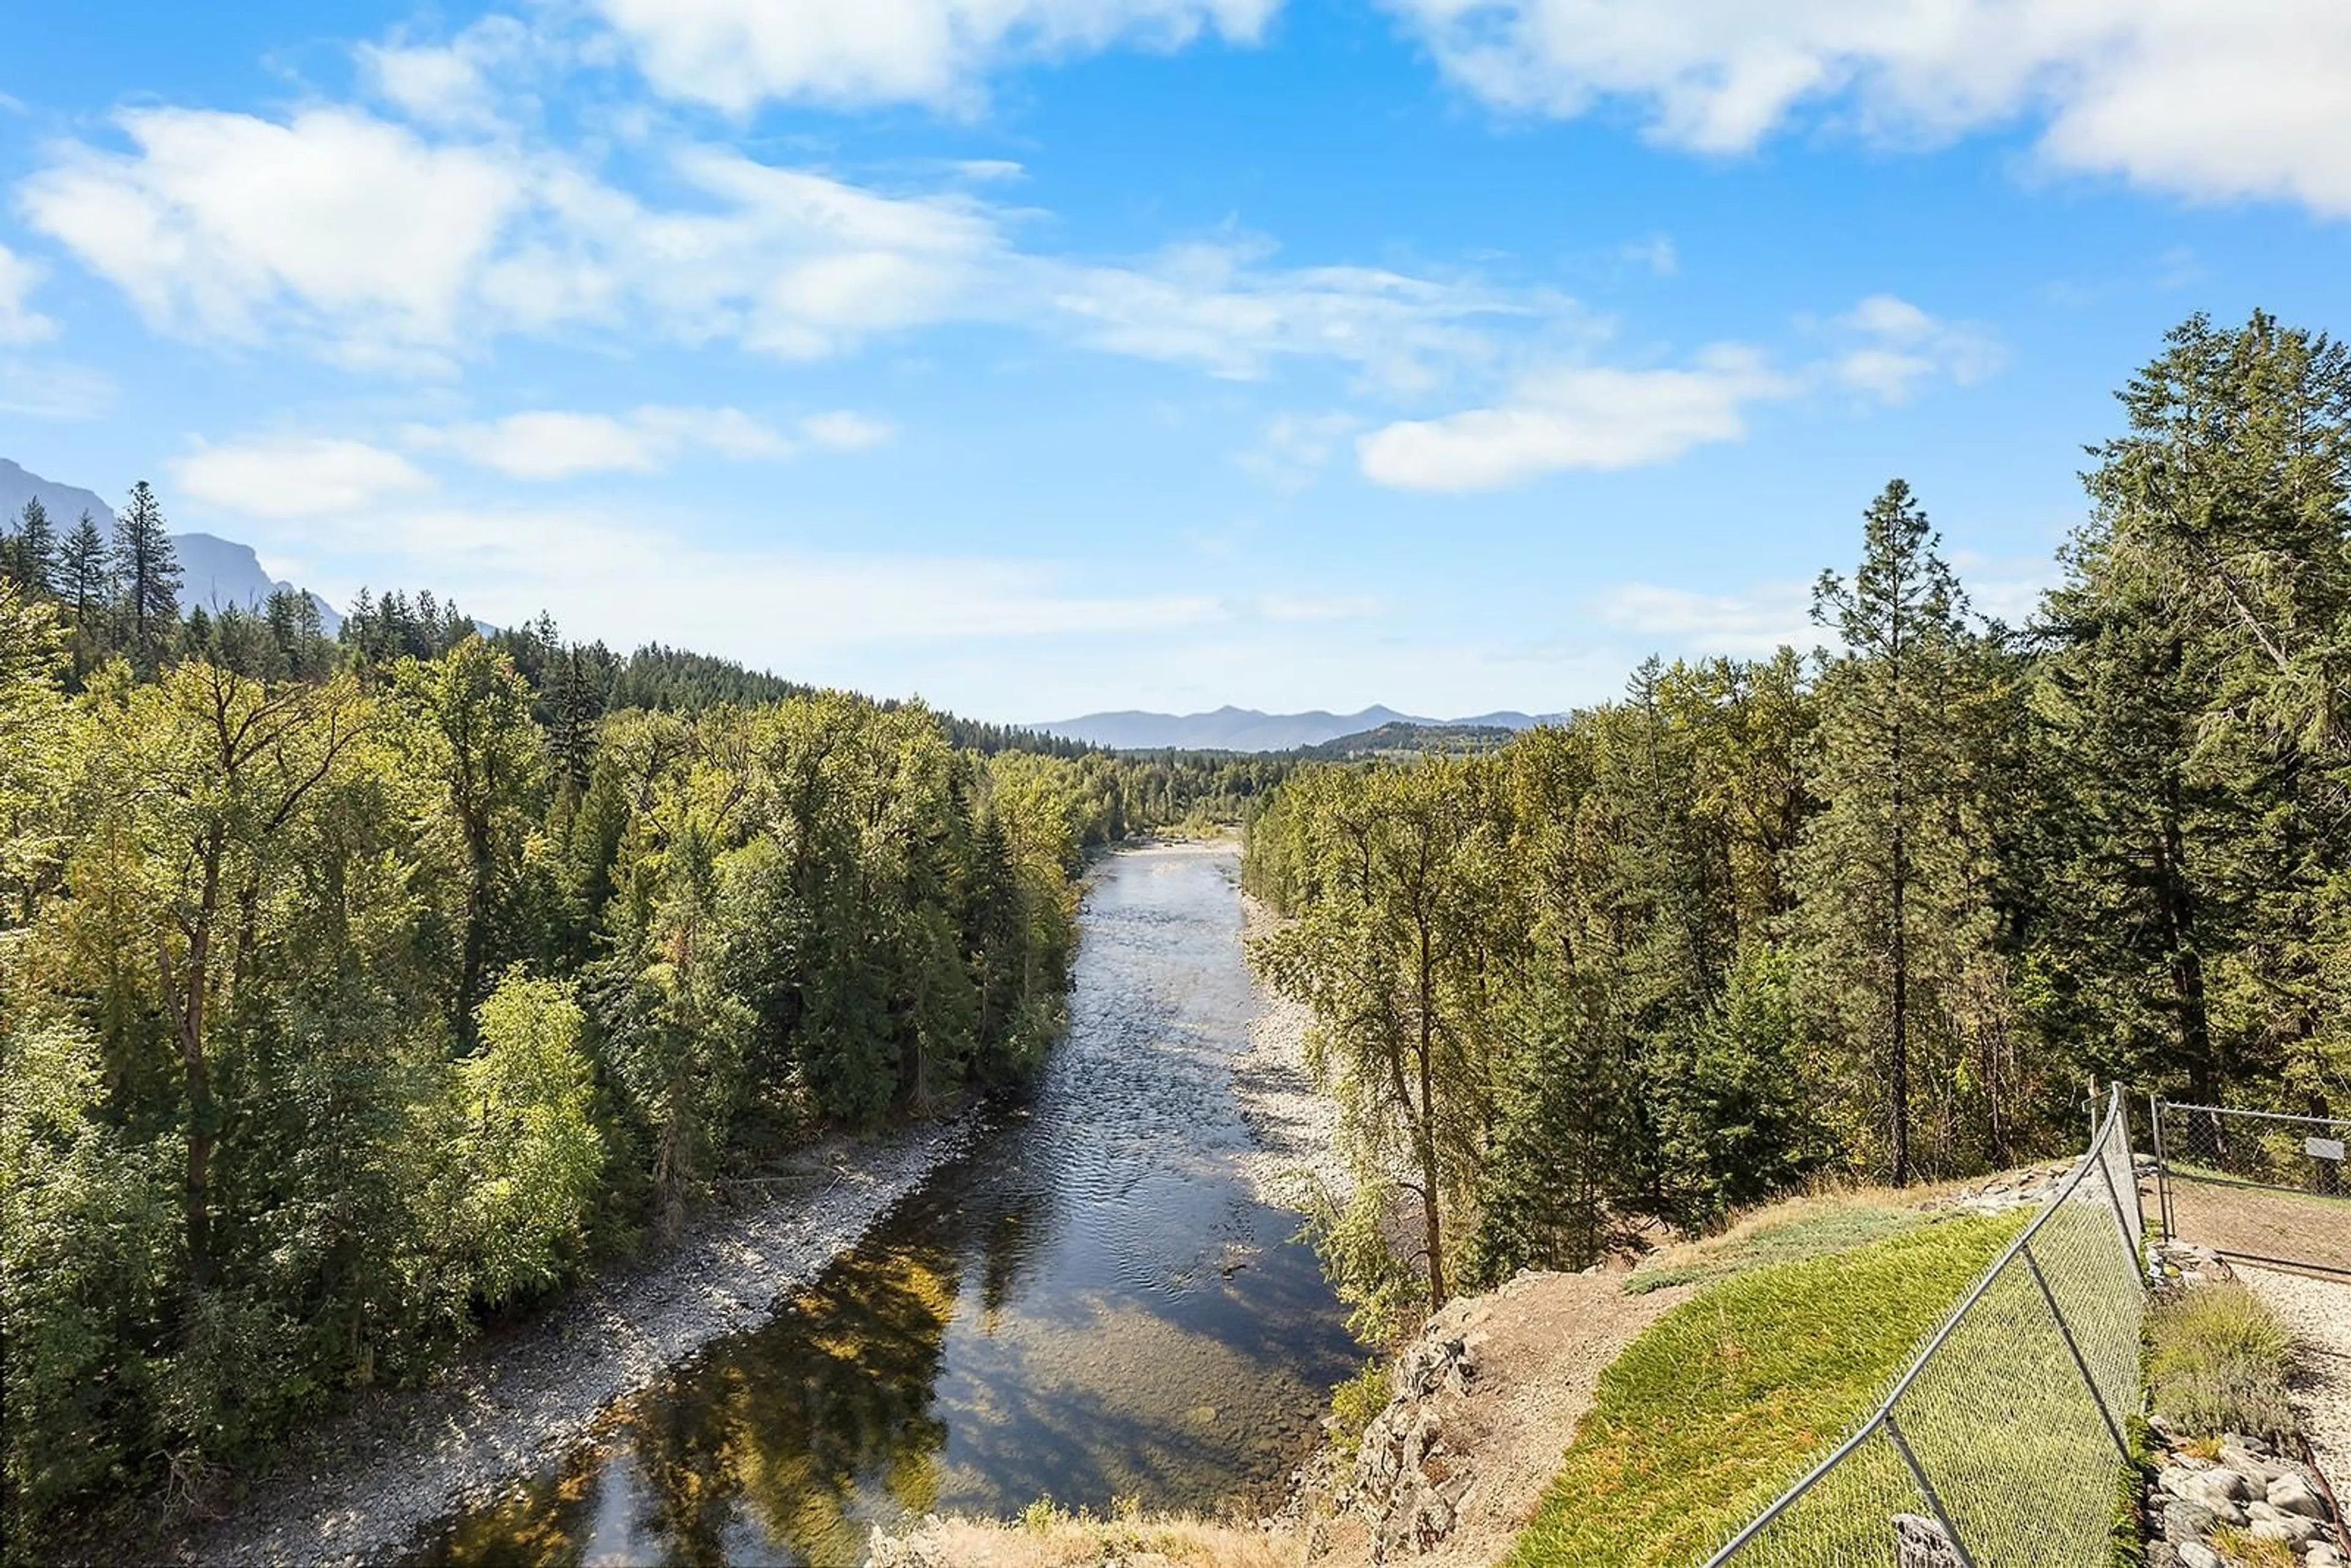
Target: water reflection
{"points": [[1089, 1306]]}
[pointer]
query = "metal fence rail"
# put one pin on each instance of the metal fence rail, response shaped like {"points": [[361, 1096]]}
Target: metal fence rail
{"points": [[2005, 1443], [2258, 1186]]}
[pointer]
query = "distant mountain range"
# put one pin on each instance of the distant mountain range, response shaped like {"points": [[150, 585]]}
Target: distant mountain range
{"points": [[214, 572], [1247, 729]]}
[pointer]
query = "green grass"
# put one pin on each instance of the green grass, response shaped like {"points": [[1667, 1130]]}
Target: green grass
{"points": [[1726, 1399], [1790, 1241], [2216, 1363]]}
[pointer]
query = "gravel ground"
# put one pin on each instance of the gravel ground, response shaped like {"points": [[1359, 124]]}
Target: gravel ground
{"points": [[1296, 1124], [2319, 1313], [359, 1488]]}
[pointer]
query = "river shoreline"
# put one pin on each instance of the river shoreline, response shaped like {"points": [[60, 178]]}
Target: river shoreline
{"points": [[364, 1485], [1295, 1123], [360, 1486]]}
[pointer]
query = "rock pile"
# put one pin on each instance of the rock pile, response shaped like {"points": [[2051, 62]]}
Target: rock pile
{"points": [[2182, 1265], [1407, 1482], [2246, 1488]]}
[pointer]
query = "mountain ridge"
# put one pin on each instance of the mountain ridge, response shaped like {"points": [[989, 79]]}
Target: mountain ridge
{"points": [[1231, 728], [213, 572]]}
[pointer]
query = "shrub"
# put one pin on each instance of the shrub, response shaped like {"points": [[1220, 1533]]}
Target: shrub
{"points": [[2217, 1362]]}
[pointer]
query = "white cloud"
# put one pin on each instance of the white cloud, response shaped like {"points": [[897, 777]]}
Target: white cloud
{"points": [[612, 578], [738, 53], [46, 389], [844, 430], [554, 444], [1899, 346], [295, 476], [2204, 100], [453, 84], [1217, 307], [19, 322], [1296, 447], [383, 246], [1656, 253], [345, 226], [1576, 416], [1585, 416], [1748, 625]]}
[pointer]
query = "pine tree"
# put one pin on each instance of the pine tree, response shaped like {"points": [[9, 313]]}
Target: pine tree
{"points": [[85, 592], [147, 572], [1889, 916], [30, 558], [2199, 699]]}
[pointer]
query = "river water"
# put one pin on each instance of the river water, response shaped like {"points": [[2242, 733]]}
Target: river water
{"points": [[1091, 1305]]}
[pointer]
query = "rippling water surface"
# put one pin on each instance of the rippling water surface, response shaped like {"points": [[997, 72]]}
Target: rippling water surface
{"points": [[1089, 1305]]}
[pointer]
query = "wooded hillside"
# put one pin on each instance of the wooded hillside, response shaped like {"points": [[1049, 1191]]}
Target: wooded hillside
{"points": [[1885, 910]]}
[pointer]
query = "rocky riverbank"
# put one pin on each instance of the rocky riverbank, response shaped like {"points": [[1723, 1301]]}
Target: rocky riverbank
{"points": [[1296, 1124], [360, 1486]]}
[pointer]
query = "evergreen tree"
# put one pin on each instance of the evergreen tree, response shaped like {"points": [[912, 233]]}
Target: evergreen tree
{"points": [[1887, 918], [148, 574], [85, 592], [31, 555], [2198, 697]]}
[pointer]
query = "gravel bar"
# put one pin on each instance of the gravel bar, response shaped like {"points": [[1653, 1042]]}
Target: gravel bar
{"points": [[361, 1487]]}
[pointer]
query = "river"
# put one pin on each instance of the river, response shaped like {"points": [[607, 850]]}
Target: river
{"points": [[1089, 1305]]}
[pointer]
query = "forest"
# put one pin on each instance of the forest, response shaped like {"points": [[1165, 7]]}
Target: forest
{"points": [[1882, 913], [357, 992]]}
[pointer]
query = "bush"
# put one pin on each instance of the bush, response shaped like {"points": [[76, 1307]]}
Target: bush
{"points": [[2217, 1362], [1355, 1405]]}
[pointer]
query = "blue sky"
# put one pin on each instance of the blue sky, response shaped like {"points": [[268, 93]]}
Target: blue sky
{"points": [[1048, 355]]}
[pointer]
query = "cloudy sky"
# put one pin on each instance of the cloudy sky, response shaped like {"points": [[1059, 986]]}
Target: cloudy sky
{"points": [[1046, 355]]}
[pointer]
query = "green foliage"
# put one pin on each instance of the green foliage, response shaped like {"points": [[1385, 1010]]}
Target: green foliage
{"points": [[2216, 1363], [340, 1013], [1355, 1405], [1723, 1402], [1883, 912], [531, 1152]]}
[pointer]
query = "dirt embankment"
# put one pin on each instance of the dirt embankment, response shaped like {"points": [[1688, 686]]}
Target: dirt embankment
{"points": [[358, 1487]]}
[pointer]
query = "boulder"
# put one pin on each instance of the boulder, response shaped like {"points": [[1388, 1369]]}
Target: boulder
{"points": [[1920, 1543], [2289, 1493], [2184, 1521], [2267, 1523]]}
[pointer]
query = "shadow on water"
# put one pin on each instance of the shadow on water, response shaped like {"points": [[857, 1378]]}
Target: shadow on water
{"points": [[1089, 1306]]}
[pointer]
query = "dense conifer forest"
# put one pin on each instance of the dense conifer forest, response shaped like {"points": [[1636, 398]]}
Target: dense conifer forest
{"points": [[1884, 912]]}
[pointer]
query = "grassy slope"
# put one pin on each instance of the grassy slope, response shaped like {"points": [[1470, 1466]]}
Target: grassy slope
{"points": [[1727, 1398]]}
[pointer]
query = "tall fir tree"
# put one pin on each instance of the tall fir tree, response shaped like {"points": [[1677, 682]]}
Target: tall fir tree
{"points": [[2198, 697], [30, 557], [85, 592], [146, 571], [1888, 918]]}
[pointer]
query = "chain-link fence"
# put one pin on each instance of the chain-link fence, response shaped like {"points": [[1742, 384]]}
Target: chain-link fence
{"points": [[2255, 1185], [2005, 1444]]}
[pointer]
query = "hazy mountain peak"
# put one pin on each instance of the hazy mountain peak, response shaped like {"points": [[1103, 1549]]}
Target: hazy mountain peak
{"points": [[214, 572], [1231, 728]]}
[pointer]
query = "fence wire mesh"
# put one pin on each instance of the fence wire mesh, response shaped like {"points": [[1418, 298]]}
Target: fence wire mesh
{"points": [[2256, 1184], [2004, 1444]]}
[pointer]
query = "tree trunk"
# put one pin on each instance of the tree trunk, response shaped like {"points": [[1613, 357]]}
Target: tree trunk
{"points": [[1430, 1213], [2178, 906], [187, 1003]]}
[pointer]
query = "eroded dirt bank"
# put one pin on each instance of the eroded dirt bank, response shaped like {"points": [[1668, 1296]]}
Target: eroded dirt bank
{"points": [[358, 1486]]}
